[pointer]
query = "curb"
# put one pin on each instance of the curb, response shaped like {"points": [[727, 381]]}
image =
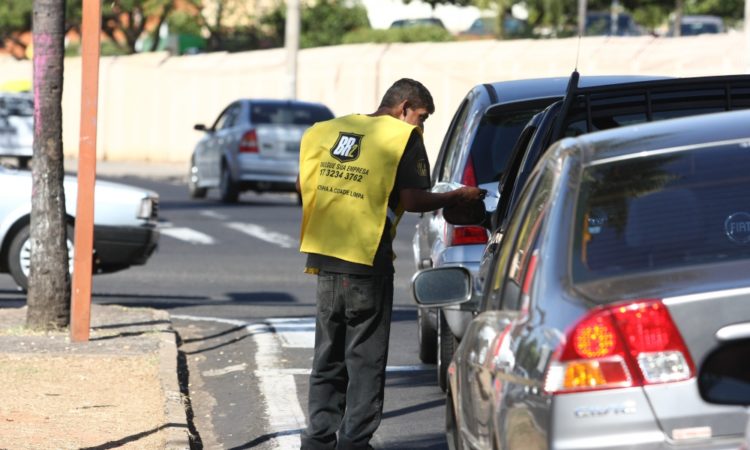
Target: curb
{"points": [[177, 431]]}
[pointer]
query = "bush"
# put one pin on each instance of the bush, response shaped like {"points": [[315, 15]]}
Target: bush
{"points": [[409, 34]]}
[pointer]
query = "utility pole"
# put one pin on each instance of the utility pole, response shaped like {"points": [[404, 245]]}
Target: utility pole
{"points": [[747, 33], [84, 240], [291, 42], [678, 18]]}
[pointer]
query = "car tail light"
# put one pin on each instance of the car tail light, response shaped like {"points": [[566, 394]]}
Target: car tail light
{"points": [[469, 178], [249, 142], [624, 345], [465, 235]]}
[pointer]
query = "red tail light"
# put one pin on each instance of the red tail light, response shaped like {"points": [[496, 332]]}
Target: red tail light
{"points": [[632, 344], [469, 178], [465, 235], [249, 142]]}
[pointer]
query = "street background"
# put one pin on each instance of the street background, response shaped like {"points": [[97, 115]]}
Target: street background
{"points": [[148, 103]]}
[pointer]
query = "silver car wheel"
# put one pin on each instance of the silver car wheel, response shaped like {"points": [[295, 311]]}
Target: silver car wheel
{"points": [[25, 256]]}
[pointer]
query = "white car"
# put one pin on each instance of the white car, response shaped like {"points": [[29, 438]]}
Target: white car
{"points": [[17, 126], [125, 219]]}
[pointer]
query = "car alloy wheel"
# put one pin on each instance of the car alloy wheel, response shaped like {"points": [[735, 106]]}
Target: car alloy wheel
{"points": [[19, 255]]}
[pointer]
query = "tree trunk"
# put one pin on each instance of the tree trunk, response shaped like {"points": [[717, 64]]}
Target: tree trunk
{"points": [[49, 281]]}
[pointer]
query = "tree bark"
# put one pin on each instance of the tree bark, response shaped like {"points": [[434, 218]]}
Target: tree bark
{"points": [[49, 281]]}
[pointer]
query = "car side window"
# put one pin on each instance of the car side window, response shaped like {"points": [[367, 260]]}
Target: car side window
{"points": [[452, 154], [228, 118], [518, 255]]}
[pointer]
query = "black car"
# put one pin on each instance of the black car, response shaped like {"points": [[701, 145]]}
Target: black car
{"points": [[589, 109]]}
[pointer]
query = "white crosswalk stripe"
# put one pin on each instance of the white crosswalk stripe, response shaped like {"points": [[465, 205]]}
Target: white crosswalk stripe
{"points": [[258, 232], [187, 235]]}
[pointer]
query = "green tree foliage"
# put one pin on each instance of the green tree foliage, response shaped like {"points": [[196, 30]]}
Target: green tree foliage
{"points": [[324, 23], [412, 34]]}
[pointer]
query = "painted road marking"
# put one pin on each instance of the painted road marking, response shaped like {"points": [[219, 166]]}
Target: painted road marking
{"points": [[258, 232], [187, 235], [213, 214], [278, 389], [295, 332]]}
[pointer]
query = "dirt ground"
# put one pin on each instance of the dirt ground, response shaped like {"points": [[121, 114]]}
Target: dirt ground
{"points": [[106, 393], [80, 401]]}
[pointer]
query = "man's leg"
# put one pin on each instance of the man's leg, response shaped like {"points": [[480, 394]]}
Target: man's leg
{"points": [[328, 379], [369, 302]]}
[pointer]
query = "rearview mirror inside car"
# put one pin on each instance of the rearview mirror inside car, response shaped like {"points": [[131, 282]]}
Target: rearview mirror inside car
{"points": [[441, 286], [724, 376]]}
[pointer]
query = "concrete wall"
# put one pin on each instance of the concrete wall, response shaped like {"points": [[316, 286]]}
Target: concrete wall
{"points": [[149, 103]]}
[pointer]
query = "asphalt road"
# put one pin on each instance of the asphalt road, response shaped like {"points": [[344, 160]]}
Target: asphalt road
{"points": [[231, 277]]}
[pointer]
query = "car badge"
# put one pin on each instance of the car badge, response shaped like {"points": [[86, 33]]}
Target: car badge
{"points": [[737, 227]]}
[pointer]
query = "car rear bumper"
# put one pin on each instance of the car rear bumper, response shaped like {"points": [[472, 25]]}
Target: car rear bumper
{"points": [[268, 174], [120, 247]]}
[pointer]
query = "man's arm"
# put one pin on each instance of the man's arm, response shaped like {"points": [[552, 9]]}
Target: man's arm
{"points": [[420, 200]]}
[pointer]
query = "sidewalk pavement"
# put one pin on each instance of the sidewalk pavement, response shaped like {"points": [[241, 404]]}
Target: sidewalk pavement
{"points": [[118, 390]]}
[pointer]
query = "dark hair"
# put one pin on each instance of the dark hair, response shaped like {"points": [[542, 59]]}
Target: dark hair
{"points": [[410, 90]]}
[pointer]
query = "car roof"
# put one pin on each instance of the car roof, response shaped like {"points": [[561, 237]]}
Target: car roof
{"points": [[664, 134], [276, 101], [537, 88]]}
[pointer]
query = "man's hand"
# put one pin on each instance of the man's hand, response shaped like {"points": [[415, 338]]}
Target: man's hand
{"points": [[469, 194]]}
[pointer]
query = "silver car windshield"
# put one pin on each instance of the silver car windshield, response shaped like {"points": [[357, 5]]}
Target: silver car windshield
{"points": [[663, 211]]}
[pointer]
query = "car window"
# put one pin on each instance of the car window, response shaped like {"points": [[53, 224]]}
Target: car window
{"points": [[228, 118], [517, 255], [453, 142], [662, 211], [493, 143], [16, 105], [614, 119], [288, 114]]}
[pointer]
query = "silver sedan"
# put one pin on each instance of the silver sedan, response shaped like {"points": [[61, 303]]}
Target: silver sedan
{"points": [[252, 145]]}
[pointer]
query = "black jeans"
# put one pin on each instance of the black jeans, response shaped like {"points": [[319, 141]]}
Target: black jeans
{"points": [[351, 349]]}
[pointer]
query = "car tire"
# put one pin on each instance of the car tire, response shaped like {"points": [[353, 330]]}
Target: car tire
{"points": [[227, 187], [427, 337], [447, 344], [193, 178], [19, 255]]}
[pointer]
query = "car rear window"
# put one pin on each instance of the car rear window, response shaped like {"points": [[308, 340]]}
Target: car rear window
{"points": [[494, 141], [288, 114], [663, 211]]}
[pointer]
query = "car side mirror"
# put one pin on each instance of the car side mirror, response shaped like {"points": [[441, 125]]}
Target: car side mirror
{"points": [[200, 127], [442, 286], [724, 376], [474, 213]]}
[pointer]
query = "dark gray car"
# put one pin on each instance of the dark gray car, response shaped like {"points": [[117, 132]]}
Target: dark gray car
{"points": [[252, 145], [623, 266]]}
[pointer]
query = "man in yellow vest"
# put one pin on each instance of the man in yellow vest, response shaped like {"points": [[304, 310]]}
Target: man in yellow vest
{"points": [[358, 174]]}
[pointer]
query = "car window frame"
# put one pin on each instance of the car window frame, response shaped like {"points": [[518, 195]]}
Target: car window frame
{"points": [[502, 262], [231, 112]]}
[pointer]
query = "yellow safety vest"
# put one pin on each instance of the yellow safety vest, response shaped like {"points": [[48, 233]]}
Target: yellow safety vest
{"points": [[347, 172]]}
